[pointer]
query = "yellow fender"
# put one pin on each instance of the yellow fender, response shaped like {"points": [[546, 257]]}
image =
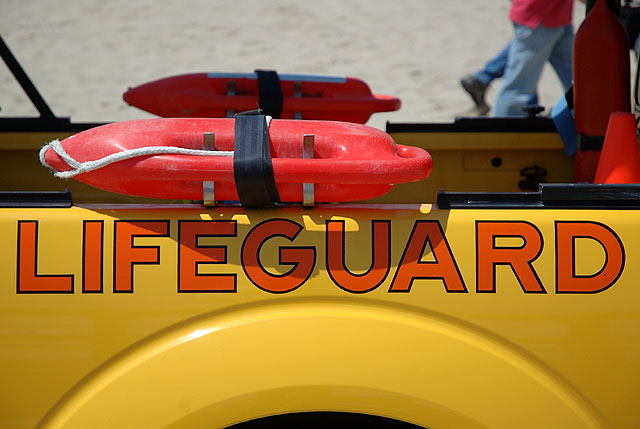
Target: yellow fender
{"points": [[324, 355]]}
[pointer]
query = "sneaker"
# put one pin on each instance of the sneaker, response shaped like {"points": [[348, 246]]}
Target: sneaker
{"points": [[476, 90]]}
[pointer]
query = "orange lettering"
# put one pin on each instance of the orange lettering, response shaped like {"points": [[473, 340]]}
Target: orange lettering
{"points": [[92, 249], [27, 278], [567, 281], [303, 259], [126, 254], [519, 258], [380, 257], [191, 255], [412, 266]]}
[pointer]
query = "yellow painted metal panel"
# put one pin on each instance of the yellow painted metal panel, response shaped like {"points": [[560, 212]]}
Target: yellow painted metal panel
{"points": [[405, 311]]}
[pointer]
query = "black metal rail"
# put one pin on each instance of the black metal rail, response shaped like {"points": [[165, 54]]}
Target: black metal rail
{"points": [[47, 121], [44, 199], [24, 81], [584, 196]]}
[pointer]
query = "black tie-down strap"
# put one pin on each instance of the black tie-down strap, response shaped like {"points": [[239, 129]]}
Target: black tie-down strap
{"points": [[252, 166], [269, 93]]}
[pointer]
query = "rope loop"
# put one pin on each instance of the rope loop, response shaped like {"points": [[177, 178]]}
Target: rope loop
{"points": [[87, 166]]}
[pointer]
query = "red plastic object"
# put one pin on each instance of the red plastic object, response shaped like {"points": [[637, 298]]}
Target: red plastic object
{"points": [[601, 80], [351, 161], [219, 95], [620, 160]]}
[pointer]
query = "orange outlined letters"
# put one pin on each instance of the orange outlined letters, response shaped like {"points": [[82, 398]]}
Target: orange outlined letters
{"points": [[191, 254], [519, 258], [303, 259], [126, 255], [380, 257], [27, 278], [412, 267], [567, 281], [92, 256], [203, 256]]}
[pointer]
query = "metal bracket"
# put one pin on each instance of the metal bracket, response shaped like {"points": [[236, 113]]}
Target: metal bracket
{"points": [[231, 91], [297, 93], [308, 197], [208, 188]]}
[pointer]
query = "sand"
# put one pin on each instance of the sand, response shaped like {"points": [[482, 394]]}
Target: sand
{"points": [[82, 55]]}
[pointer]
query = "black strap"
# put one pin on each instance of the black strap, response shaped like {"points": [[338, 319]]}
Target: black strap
{"points": [[586, 142], [270, 93], [252, 166], [568, 96]]}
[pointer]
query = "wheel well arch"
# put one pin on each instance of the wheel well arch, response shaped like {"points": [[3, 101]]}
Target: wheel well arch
{"points": [[295, 356]]}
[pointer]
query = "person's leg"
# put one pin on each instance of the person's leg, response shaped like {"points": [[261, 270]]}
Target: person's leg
{"points": [[529, 52], [562, 57], [494, 68], [476, 84], [476, 91]]}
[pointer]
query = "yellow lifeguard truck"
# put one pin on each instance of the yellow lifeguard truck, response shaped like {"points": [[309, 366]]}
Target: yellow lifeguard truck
{"points": [[513, 306], [484, 314]]}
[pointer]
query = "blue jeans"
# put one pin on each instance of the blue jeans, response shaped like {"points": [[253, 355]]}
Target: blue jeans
{"points": [[530, 50], [494, 68]]}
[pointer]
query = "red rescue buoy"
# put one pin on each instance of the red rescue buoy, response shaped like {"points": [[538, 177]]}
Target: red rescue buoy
{"points": [[220, 95], [350, 161], [601, 83]]}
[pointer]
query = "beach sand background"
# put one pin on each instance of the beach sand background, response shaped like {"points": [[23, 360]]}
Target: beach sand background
{"points": [[83, 54]]}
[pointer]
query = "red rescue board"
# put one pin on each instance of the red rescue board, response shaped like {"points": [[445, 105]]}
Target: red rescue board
{"points": [[220, 95], [350, 161]]}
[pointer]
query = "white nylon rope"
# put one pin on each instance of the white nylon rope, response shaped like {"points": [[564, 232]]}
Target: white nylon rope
{"points": [[84, 167]]}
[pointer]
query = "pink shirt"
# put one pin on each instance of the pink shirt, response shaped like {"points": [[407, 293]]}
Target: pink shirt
{"points": [[549, 13]]}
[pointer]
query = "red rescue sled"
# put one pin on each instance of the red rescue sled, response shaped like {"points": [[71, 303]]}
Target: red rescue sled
{"points": [[220, 95], [350, 161]]}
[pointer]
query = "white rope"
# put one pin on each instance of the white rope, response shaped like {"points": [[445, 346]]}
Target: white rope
{"points": [[84, 167]]}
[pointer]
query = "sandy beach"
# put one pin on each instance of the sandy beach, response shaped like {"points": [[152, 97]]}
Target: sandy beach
{"points": [[82, 55]]}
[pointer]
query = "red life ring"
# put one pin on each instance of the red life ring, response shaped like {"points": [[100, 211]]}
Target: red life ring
{"points": [[351, 161], [220, 95]]}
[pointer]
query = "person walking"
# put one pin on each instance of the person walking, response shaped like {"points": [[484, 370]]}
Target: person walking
{"points": [[477, 83], [543, 31]]}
